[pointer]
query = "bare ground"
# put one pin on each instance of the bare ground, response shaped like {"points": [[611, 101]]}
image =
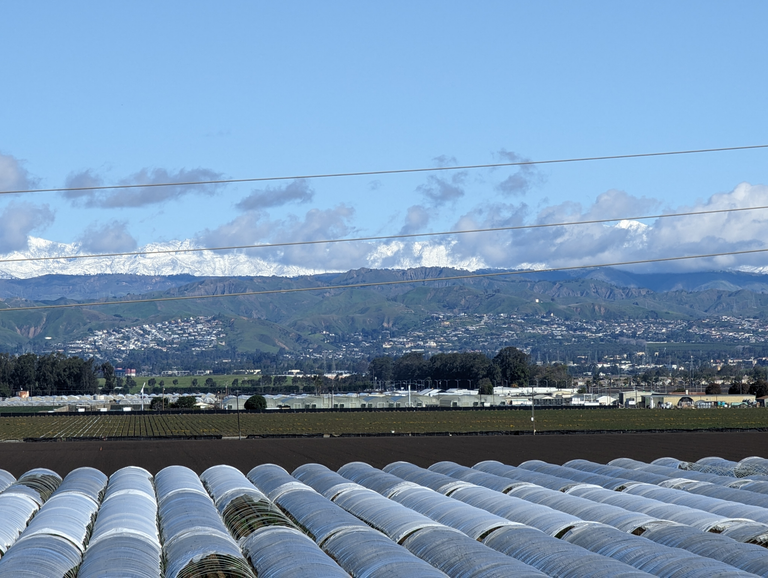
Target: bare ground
{"points": [[108, 456]]}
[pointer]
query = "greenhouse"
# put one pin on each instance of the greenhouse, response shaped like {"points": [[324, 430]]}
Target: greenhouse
{"points": [[581, 519]]}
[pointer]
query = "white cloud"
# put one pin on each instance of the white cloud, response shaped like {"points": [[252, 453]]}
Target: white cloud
{"points": [[416, 219], [140, 196], [442, 190], [13, 175], [17, 220], [297, 191], [107, 238], [520, 181]]}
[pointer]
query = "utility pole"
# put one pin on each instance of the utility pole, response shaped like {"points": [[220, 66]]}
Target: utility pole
{"points": [[237, 408]]}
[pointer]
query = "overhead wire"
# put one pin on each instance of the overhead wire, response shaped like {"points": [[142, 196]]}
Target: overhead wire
{"points": [[380, 283], [383, 172], [375, 238]]}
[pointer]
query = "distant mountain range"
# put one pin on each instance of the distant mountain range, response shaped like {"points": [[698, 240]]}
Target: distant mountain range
{"points": [[318, 317], [51, 287]]}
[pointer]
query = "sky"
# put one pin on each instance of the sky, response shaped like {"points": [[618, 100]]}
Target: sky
{"points": [[104, 93]]}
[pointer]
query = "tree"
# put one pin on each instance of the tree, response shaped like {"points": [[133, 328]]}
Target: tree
{"points": [[759, 388], [410, 366], [713, 389], [381, 368], [152, 382], [159, 403], [256, 403], [108, 372], [194, 382], [513, 365], [209, 383], [485, 387], [24, 372], [186, 402]]}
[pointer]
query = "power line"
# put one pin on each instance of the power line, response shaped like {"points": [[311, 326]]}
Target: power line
{"points": [[385, 172], [380, 237], [380, 283]]}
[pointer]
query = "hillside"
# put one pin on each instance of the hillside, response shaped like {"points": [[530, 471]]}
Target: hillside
{"points": [[312, 315]]}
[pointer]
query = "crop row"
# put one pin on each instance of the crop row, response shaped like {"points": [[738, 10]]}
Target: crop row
{"points": [[50, 426]]}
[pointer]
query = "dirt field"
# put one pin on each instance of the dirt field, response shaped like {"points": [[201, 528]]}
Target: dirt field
{"points": [[63, 457]]}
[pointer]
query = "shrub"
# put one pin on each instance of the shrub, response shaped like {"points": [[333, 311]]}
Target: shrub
{"points": [[256, 403]]}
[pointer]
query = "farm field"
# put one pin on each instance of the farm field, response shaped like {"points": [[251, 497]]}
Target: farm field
{"points": [[191, 425]]}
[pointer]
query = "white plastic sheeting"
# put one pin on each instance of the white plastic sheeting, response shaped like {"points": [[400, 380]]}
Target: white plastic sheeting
{"points": [[52, 544], [646, 555], [668, 471], [748, 557], [6, 479], [15, 513], [470, 527], [274, 480], [724, 508], [367, 553], [546, 519], [576, 475], [196, 541], [614, 471], [449, 550], [125, 534], [243, 508], [355, 546], [394, 520], [556, 557], [457, 555], [282, 552], [526, 544], [521, 475]]}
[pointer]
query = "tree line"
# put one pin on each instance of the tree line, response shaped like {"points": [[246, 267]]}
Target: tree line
{"points": [[50, 374], [471, 370]]}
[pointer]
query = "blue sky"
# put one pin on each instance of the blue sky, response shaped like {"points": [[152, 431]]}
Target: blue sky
{"points": [[134, 92]]}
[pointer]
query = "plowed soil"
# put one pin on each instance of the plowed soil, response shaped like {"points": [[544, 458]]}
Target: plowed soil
{"points": [[108, 456]]}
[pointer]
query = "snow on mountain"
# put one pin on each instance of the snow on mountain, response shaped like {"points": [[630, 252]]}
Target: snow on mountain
{"points": [[44, 257]]}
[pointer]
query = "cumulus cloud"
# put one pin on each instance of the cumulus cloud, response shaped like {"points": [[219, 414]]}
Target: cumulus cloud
{"points": [[445, 161], [521, 181], [18, 220], [297, 191], [620, 241], [13, 175], [416, 219], [107, 238], [442, 190], [317, 224], [248, 229], [140, 196]]}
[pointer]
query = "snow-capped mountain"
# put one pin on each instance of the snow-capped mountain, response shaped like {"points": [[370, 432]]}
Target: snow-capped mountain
{"points": [[44, 257]]}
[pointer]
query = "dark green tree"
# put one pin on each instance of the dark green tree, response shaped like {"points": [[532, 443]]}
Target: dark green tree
{"points": [[24, 371], [410, 366], [256, 403], [485, 387], [159, 403], [108, 372], [713, 389], [380, 368], [514, 366], [186, 402]]}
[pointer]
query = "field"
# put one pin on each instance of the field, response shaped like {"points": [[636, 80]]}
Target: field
{"points": [[196, 425]]}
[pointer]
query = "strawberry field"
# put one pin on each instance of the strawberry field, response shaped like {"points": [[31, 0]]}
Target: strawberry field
{"points": [[150, 425]]}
